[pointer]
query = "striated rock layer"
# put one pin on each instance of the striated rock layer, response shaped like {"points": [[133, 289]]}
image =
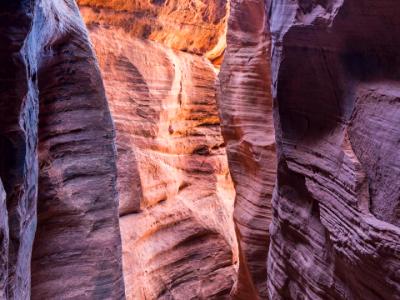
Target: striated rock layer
{"points": [[177, 196], [246, 111], [18, 152], [335, 229], [195, 26], [57, 151], [336, 85]]}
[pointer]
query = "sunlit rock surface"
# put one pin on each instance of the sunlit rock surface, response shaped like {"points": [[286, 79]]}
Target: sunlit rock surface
{"points": [[336, 79], [57, 152], [186, 233], [245, 104], [196, 26], [177, 196]]}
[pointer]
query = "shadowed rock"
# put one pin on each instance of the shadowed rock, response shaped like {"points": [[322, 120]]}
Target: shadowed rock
{"points": [[335, 67], [245, 104], [57, 151]]}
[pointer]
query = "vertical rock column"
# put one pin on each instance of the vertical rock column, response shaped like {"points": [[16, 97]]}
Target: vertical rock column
{"points": [[77, 250], [336, 79], [245, 105], [46, 57], [18, 156]]}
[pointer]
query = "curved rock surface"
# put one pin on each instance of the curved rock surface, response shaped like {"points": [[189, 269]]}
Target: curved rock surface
{"points": [[178, 236], [186, 233], [196, 26], [336, 80], [57, 151], [245, 103], [18, 153]]}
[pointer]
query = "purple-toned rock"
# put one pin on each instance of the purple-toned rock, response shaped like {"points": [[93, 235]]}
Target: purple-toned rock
{"points": [[245, 105], [336, 85], [57, 151], [18, 155], [4, 243], [77, 239]]}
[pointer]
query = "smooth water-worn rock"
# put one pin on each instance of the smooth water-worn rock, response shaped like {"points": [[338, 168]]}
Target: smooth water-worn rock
{"points": [[77, 239], [245, 104], [177, 195], [56, 151], [336, 86], [69, 180]]}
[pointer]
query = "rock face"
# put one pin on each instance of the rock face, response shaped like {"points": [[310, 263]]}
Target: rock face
{"points": [[329, 229], [196, 26], [4, 243], [57, 151], [246, 111], [18, 156], [336, 85], [177, 196]]}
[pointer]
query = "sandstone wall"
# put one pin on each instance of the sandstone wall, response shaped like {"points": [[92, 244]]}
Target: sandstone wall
{"points": [[196, 26], [18, 152], [307, 125], [245, 105], [335, 232], [177, 197], [57, 159]]}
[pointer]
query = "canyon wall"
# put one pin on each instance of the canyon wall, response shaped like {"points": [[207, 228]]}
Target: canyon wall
{"points": [[57, 159], [177, 196], [336, 89], [195, 26], [245, 104], [18, 152], [307, 122]]}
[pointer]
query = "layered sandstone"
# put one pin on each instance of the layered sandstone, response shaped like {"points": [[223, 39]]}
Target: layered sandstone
{"points": [[177, 197], [336, 85], [245, 104], [186, 233], [56, 151], [196, 26]]}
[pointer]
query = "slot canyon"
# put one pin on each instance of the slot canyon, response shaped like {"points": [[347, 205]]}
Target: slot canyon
{"points": [[200, 149]]}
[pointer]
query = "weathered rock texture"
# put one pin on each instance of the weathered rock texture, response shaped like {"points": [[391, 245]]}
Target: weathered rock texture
{"points": [[245, 104], [335, 232], [177, 196], [4, 243], [336, 79], [57, 150], [18, 157], [196, 26]]}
